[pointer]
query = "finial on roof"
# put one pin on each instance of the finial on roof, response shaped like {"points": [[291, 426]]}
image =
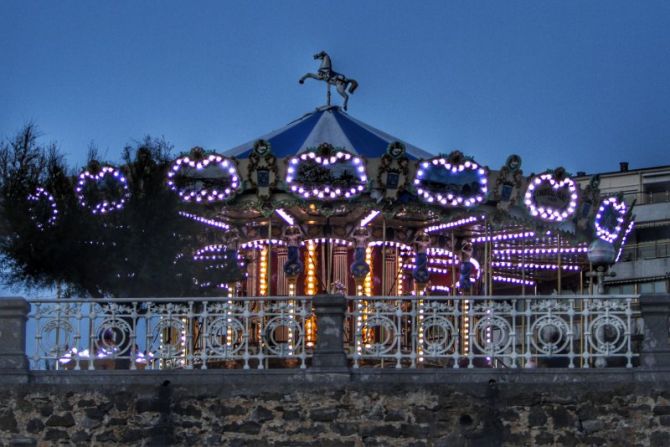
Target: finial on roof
{"points": [[326, 73]]}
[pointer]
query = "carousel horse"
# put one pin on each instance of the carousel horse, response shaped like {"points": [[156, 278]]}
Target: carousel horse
{"points": [[331, 77]]}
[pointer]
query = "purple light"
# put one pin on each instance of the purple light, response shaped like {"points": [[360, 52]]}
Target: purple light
{"points": [[619, 208], [623, 240], [504, 236], [209, 194], [257, 244], [104, 206], [330, 240], [540, 251], [204, 220], [367, 219], [326, 192], [454, 224], [534, 266], [450, 199], [546, 212], [286, 216], [511, 280], [39, 195], [402, 247]]}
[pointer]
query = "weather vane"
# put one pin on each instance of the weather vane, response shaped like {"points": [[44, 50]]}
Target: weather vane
{"points": [[331, 77]]}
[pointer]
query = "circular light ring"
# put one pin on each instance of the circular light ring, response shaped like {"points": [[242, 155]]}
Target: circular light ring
{"points": [[548, 213], [86, 181], [326, 192], [206, 194], [448, 198], [615, 206], [42, 197]]}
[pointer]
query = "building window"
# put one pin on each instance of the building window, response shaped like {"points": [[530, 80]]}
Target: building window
{"points": [[621, 289], [653, 287]]}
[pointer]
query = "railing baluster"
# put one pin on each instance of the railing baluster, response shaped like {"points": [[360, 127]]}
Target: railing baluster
{"points": [[133, 336]]}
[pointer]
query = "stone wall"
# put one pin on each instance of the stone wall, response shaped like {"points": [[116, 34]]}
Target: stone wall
{"points": [[329, 404], [389, 408]]}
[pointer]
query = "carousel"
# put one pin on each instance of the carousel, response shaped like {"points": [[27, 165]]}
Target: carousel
{"points": [[329, 204]]}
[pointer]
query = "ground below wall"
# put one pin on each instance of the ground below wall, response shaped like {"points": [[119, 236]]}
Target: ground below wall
{"points": [[389, 408]]}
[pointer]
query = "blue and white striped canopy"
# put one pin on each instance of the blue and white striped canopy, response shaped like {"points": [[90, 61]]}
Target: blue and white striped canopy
{"points": [[328, 125]]}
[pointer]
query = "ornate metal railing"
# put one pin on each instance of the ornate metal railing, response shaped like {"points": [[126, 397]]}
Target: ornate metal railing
{"points": [[494, 331], [189, 333], [279, 332]]}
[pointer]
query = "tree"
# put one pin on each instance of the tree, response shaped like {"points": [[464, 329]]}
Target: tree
{"points": [[144, 249]]}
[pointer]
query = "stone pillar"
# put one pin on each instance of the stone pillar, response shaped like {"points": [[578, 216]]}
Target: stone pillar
{"points": [[655, 310], [13, 316], [329, 350]]}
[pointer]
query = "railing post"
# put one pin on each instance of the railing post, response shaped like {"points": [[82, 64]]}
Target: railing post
{"points": [[329, 350], [655, 310], [13, 316]]}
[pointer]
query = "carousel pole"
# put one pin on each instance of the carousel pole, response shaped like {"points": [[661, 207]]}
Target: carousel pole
{"points": [[421, 276], [269, 269], [293, 268], [383, 255], [523, 293], [360, 269], [490, 262], [397, 277], [485, 274], [453, 264], [523, 267], [329, 264], [397, 266], [558, 261], [466, 309], [324, 266]]}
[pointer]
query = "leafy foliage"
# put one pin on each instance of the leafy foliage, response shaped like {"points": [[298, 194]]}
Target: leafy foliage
{"points": [[142, 250]]}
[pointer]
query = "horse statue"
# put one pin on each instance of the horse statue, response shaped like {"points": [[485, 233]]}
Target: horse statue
{"points": [[331, 77]]}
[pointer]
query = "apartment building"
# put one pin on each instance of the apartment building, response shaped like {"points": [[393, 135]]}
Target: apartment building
{"points": [[644, 263]]}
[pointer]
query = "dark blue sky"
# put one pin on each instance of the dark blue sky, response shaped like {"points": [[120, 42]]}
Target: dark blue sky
{"points": [[584, 84]]}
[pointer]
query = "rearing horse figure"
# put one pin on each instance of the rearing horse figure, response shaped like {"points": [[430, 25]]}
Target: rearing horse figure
{"points": [[331, 77]]}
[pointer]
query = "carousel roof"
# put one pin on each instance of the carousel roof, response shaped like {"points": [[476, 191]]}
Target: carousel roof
{"points": [[331, 125]]}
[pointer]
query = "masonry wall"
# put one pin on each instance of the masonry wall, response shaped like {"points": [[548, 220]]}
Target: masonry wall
{"points": [[448, 408]]}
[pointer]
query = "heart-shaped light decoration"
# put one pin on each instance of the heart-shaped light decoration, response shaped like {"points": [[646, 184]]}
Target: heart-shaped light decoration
{"points": [[439, 181], [329, 176], [43, 208], [551, 185], [104, 191], [609, 219], [211, 179]]}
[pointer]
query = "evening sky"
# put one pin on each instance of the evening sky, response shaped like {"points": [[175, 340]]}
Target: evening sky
{"points": [[583, 84]]}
